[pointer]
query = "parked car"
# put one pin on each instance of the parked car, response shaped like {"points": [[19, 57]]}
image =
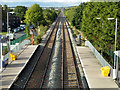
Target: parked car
{"points": [[16, 30], [22, 28], [19, 28]]}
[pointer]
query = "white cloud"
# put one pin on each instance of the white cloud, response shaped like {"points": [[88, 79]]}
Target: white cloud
{"points": [[74, 1], [6, 0], [85, 0]]}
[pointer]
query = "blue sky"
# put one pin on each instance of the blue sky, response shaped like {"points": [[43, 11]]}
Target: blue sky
{"points": [[42, 3], [72, 1]]}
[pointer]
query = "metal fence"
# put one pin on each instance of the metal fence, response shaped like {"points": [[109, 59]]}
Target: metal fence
{"points": [[17, 48], [18, 40], [99, 57]]}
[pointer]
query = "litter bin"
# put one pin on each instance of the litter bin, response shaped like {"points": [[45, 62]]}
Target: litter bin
{"points": [[105, 71], [13, 56]]}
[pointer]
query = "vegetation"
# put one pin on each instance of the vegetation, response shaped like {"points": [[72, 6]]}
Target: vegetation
{"points": [[43, 30], [33, 15], [84, 17], [5, 50], [70, 14], [3, 33], [38, 17], [20, 11], [49, 16]]}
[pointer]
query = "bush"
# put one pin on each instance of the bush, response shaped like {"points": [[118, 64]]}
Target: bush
{"points": [[37, 39], [43, 29], [5, 50]]}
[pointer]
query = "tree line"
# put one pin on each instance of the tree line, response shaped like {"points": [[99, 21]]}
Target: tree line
{"points": [[100, 32], [35, 16]]}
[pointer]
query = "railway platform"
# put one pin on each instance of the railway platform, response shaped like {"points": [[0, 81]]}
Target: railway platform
{"points": [[91, 68], [11, 72]]}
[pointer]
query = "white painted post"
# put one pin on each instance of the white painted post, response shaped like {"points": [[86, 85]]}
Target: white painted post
{"points": [[114, 69]]}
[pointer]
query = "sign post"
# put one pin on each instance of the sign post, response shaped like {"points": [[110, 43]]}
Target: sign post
{"points": [[38, 30], [31, 32]]}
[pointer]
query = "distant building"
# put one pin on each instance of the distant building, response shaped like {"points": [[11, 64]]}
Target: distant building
{"points": [[12, 8], [13, 22], [0, 18]]}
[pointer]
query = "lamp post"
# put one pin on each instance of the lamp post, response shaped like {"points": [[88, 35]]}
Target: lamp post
{"points": [[114, 70], [8, 27], [1, 53]]}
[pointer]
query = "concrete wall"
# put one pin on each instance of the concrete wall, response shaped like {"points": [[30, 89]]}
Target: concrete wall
{"points": [[0, 18]]}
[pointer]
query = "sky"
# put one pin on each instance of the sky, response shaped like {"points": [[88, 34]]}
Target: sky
{"points": [[44, 1]]}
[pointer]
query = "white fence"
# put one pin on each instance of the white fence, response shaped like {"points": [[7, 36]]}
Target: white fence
{"points": [[16, 48], [99, 57]]}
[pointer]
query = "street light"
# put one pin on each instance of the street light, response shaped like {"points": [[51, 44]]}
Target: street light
{"points": [[114, 70], [8, 27]]}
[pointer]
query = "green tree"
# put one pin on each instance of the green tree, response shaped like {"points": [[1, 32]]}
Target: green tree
{"points": [[20, 11], [100, 35], [5, 7], [49, 16], [69, 13], [34, 14], [77, 18]]}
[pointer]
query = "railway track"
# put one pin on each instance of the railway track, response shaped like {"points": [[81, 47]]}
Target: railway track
{"points": [[29, 77], [52, 78], [70, 78], [62, 72], [50, 69]]}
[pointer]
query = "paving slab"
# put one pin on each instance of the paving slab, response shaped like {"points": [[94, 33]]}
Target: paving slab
{"points": [[91, 68], [11, 72]]}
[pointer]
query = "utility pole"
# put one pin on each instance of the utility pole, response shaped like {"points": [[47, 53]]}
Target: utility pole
{"points": [[8, 28], [114, 68], [1, 53]]}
